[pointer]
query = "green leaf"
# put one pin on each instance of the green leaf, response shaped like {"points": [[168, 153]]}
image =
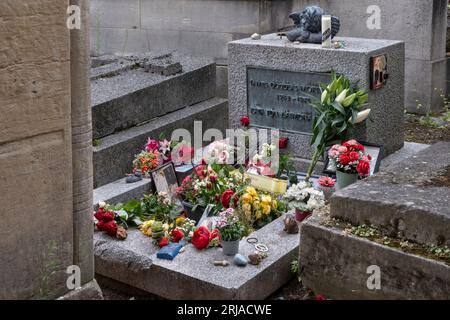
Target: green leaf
{"points": [[319, 120], [337, 120], [338, 107]]}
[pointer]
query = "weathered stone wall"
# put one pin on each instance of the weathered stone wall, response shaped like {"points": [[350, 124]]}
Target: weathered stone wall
{"points": [[35, 149], [421, 24], [192, 27]]}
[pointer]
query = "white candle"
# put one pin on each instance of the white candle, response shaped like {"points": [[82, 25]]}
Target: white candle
{"points": [[326, 31]]}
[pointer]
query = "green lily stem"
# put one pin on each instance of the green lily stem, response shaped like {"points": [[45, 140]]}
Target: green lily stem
{"points": [[317, 153]]}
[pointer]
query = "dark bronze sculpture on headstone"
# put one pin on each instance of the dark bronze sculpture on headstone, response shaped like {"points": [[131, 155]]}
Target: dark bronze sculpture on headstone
{"points": [[308, 25]]}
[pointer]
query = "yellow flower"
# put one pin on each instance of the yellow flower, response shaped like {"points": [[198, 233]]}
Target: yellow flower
{"points": [[266, 209], [146, 228], [251, 191], [247, 198], [179, 220], [266, 199]]}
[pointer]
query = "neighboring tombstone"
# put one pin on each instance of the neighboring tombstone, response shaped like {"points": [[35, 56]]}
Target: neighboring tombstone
{"points": [[268, 79], [421, 24]]}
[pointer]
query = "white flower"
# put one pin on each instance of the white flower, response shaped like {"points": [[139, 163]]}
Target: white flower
{"points": [[303, 196], [102, 204]]}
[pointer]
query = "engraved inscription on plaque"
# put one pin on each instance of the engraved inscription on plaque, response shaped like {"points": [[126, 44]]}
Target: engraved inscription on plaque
{"points": [[281, 99]]}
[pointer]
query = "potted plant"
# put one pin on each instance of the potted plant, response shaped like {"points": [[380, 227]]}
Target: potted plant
{"points": [[230, 230], [350, 162], [304, 199]]}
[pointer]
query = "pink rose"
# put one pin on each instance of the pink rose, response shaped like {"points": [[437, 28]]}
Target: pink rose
{"points": [[342, 149], [152, 145]]}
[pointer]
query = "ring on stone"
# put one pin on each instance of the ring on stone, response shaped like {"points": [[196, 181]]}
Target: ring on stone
{"points": [[252, 240], [261, 247]]}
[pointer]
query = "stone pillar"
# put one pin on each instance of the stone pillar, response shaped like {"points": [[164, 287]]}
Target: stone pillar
{"points": [[83, 227], [421, 24], [36, 214]]}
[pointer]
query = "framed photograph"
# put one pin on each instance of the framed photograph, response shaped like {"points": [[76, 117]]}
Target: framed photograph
{"points": [[374, 150], [165, 180], [378, 72]]}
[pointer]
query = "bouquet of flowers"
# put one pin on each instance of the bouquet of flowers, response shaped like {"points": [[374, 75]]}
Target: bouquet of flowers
{"points": [[219, 152], [349, 158], [303, 197], [229, 226], [105, 220], [164, 233], [158, 152], [258, 208], [209, 183], [146, 161]]}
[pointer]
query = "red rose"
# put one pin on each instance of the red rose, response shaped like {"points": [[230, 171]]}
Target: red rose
{"points": [[106, 216], [344, 159], [164, 241], [213, 179], [363, 168], [200, 170], [354, 156], [215, 234], [320, 297], [282, 143], [99, 214], [152, 145], [100, 225], [245, 121], [358, 147], [200, 239], [110, 228], [177, 235], [226, 197]]}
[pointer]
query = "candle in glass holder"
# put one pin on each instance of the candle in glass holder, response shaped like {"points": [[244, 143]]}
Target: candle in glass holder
{"points": [[326, 31]]}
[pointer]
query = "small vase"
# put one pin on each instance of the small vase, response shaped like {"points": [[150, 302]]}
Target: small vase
{"points": [[301, 215], [345, 179], [230, 248]]}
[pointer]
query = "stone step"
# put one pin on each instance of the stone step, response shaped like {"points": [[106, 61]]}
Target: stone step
{"points": [[192, 275], [114, 155], [409, 199], [123, 94], [335, 264]]}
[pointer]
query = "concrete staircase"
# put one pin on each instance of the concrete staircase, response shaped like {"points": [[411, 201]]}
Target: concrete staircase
{"points": [[130, 104], [408, 203]]}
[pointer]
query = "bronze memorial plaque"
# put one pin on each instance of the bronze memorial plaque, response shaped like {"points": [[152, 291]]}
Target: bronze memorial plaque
{"points": [[279, 99]]}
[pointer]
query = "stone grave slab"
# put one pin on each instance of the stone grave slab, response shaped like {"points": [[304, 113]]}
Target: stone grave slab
{"points": [[335, 264], [410, 198], [192, 275], [124, 93]]}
